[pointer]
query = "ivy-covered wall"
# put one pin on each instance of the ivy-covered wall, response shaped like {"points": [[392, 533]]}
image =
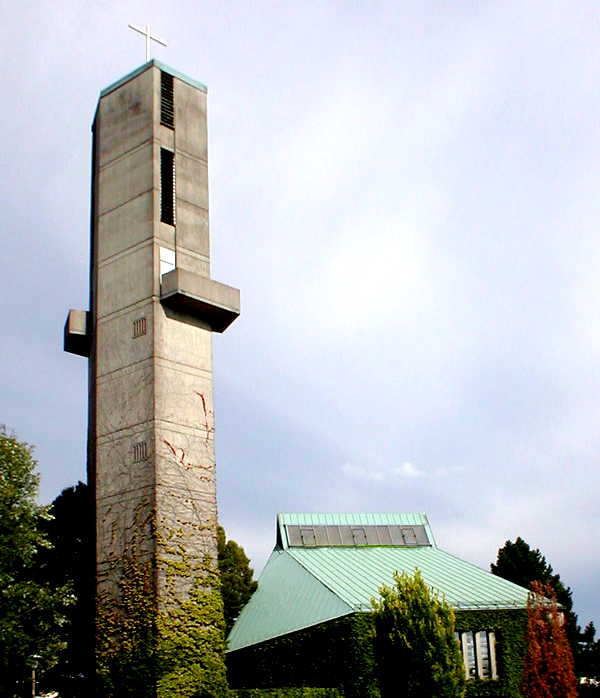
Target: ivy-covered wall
{"points": [[509, 627], [171, 650], [339, 655]]}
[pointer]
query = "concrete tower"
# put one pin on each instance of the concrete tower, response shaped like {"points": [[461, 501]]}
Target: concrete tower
{"points": [[153, 308]]}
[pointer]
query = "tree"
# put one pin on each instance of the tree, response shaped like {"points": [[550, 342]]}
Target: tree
{"points": [[32, 612], [237, 583], [518, 563], [587, 661], [71, 561], [416, 648], [548, 669]]}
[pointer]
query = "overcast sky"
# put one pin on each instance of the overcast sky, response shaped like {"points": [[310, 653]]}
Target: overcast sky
{"points": [[407, 195]]}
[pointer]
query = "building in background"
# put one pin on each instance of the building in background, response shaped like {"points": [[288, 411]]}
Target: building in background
{"points": [[307, 623]]}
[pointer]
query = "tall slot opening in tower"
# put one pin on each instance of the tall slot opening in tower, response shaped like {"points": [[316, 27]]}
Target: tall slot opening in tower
{"points": [[167, 110], [167, 186]]}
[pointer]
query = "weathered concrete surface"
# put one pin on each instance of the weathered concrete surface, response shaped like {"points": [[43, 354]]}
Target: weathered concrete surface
{"points": [[151, 439]]}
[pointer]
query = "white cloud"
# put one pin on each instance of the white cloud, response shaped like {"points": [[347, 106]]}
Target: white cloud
{"points": [[408, 469], [405, 470]]}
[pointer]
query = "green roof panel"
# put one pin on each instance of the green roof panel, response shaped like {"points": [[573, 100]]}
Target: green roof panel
{"points": [[356, 574], [288, 598]]}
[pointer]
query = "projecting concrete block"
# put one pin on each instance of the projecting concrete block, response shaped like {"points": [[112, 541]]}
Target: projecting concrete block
{"points": [[204, 299], [78, 333]]}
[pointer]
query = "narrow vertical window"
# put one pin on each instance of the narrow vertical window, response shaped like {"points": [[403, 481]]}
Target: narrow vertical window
{"points": [[167, 186], [167, 110]]}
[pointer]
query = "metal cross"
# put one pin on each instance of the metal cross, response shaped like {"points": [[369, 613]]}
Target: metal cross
{"points": [[146, 33]]}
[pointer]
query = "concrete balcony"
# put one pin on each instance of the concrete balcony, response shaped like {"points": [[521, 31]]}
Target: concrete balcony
{"points": [[211, 302]]}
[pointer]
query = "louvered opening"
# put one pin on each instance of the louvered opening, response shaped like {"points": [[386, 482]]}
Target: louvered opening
{"points": [[167, 186], [167, 108], [139, 327], [140, 451]]}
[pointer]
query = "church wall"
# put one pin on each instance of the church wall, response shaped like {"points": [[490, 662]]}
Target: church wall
{"points": [[340, 654]]}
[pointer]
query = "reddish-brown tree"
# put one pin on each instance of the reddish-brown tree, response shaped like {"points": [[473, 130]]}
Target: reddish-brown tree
{"points": [[548, 670]]}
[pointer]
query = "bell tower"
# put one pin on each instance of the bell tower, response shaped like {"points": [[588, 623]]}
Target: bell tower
{"points": [[148, 333]]}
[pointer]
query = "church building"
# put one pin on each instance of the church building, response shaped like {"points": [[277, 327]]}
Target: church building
{"points": [[307, 622]]}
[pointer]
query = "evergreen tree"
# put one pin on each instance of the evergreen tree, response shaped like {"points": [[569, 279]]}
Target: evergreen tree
{"points": [[518, 563], [237, 583], [32, 611], [548, 670], [417, 651], [587, 661], [72, 561]]}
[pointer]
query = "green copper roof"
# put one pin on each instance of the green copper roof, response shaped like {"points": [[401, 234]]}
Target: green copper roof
{"points": [[307, 585], [355, 575], [145, 66], [288, 598]]}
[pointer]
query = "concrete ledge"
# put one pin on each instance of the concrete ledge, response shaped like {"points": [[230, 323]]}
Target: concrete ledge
{"points": [[78, 333], [215, 304]]}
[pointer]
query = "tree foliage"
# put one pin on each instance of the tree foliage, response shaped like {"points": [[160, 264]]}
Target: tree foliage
{"points": [[32, 612], [587, 661], [518, 563], [237, 583], [72, 561], [522, 565], [548, 671], [417, 651]]}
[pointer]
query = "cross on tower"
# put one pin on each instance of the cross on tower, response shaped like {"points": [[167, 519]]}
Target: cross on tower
{"points": [[146, 33]]}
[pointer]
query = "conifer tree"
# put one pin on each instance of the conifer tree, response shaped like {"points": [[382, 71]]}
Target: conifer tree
{"points": [[416, 648], [548, 670], [237, 583]]}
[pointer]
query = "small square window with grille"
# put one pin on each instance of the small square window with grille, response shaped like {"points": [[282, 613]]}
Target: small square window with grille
{"points": [[167, 107], [167, 186], [139, 327], [140, 451]]}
